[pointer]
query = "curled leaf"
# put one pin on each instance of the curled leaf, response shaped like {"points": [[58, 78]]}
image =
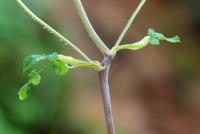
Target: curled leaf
{"points": [[35, 78], [135, 46], [23, 92], [60, 68], [61, 65], [79, 63], [31, 60], [156, 37], [52, 57]]}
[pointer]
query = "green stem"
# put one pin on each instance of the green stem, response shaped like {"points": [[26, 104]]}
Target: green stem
{"points": [[79, 63], [130, 21], [135, 46], [51, 30], [86, 22]]}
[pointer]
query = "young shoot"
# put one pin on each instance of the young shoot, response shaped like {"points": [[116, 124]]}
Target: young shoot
{"points": [[62, 63]]}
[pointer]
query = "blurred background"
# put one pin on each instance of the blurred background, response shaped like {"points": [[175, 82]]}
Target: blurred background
{"points": [[155, 90]]}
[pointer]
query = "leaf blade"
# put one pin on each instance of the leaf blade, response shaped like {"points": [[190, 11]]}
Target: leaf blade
{"points": [[156, 37], [23, 92], [52, 57], [31, 60], [35, 78], [35, 58], [60, 68], [135, 46]]}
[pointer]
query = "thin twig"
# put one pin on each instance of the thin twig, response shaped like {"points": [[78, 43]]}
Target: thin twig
{"points": [[128, 25], [86, 22], [51, 30]]}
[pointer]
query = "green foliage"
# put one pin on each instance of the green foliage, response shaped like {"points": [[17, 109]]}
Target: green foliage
{"points": [[35, 78], [19, 37], [33, 59], [153, 38], [74, 63], [156, 37], [52, 57], [60, 63], [135, 46], [60, 68], [23, 92]]}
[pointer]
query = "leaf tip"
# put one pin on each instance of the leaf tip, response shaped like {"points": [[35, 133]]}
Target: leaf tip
{"points": [[156, 37], [23, 92]]}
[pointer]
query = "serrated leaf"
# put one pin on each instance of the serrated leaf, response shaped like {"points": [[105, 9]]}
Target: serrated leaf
{"points": [[52, 57], [31, 60], [35, 78], [155, 37], [60, 68], [23, 92]]}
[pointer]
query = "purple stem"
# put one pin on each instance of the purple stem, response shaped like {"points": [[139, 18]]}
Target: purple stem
{"points": [[103, 76]]}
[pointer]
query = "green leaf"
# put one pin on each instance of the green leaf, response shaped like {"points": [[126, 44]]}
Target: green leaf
{"points": [[52, 57], [31, 60], [154, 41], [73, 63], [135, 46], [23, 92], [60, 68], [155, 38], [175, 39], [35, 78]]}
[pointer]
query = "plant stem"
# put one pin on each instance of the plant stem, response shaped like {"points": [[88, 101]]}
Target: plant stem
{"points": [[103, 76], [80, 63], [86, 22], [51, 30], [129, 23]]}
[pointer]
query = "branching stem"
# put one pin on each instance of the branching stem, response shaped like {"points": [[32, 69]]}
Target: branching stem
{"points": [[129, 23], [107, 53], [51, 30], [109, 56], [86, 22]]}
